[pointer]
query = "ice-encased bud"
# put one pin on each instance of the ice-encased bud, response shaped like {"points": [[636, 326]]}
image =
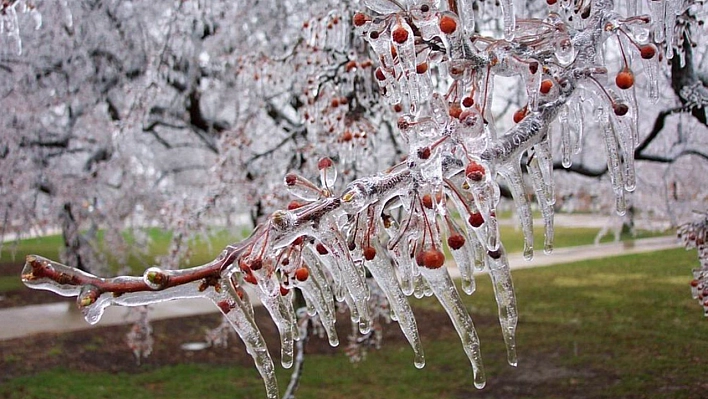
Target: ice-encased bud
{"points": [[155, 278]]}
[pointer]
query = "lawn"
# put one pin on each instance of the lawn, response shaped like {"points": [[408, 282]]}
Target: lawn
{"points": [[624, 327]]}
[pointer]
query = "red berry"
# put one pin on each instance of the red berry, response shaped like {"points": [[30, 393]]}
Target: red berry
{"points": [[648, 51], [293, 205], [475, 171], [455, 110], [334, 103], [694, 283], [359, 19], [397, 108], [424, 153], [321, 249], [455, 241], [625, 79], [324, 163], [379, 74], [495, 254], [290, 179], [533, 67], [428, 201], [301, 274], [256, 264], [421, 68], [369, 253], [284, 291], [250, 278], [546, 86], [551, 2], [433, 258], [520, 115], [399, 35], [346, 136], [298, 240], [467, 102], [476, 219], [447, 24], [620, 109]]}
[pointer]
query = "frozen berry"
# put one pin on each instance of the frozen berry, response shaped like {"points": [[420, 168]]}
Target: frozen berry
{"points": [[519, 115], [324, 163], [321, 249], [433, 258], [647, 51], [476, 219], [428, 201], [399, 35], [447, 24], [301, 274], [422, 68], [546, 86], [369, 253], [467, 102], [620, 109], [455, 241], [359, 19], [625, 79], [475, 171]]}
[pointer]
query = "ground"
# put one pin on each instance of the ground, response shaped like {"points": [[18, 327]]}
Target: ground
{"points": [[103, 349]]}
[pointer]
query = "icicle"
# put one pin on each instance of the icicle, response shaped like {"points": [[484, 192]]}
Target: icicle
{"points": [[512, 173], [302, 187], [383, 6], [651, 70], [465, 9], [566, 147], [613, 160], [669, 25], [319, 295], [444, 289], [500, 273], [351, 276], [281, 311], [328, 173], [385, 276], [509, 18], [236, 311], [462, 252], [658, 16], [541, 196]]}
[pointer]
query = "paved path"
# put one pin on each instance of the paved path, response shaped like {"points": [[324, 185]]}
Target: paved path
{"points": [[63, 317]]}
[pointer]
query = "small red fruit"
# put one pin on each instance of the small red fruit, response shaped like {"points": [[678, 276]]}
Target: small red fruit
{"points": [[520, 115], [468, 102], [422, 68], [284, 291], [301, 274], [294, 205], [455, 242], [428, 201], [290, 179], [256, 264], [447, 24], [380, 75], [321, 249], [250, 278], [359, 19], [647, 51], [369, 253], [476, 219], [625, 79], [546, 86], [397, 108], [694, 283], [433, 258], [399, 35], [475, 171], [455, 110], [620, 109], [324, 163], [424, 153]]}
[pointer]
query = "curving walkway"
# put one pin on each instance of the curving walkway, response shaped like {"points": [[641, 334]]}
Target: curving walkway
{"points": [[64, 317]]}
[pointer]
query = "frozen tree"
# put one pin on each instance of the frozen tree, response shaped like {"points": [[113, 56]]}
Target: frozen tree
{"points": [[382, 119]]}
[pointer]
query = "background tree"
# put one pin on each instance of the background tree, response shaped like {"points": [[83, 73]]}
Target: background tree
{"points": [[314, 86]]}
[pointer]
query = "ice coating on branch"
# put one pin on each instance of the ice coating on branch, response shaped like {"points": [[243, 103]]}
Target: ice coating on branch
{"points": [[506, 300]]}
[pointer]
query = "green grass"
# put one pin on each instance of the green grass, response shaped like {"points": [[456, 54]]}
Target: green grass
{"points": [[623, 327]]}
